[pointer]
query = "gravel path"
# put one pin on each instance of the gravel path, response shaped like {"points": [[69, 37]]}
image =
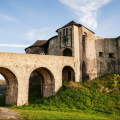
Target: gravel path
{"points": [[9, 114]]}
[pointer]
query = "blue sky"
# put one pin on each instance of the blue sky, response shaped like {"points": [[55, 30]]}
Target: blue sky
{"points": [[22, 22]]}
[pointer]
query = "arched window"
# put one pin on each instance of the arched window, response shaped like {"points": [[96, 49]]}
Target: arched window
{"points": [[67, 52]]}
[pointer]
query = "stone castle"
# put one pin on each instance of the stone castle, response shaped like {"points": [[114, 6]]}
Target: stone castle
{"points": [[75, 54], [94, 55]]}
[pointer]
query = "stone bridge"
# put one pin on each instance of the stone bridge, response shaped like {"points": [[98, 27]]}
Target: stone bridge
{"points": [[17, 68]]}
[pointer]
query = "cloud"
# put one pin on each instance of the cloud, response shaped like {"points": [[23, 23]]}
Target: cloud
{"points": [[8, 18], [15, 45], [86, 10], [38, 34], [1, 77]]}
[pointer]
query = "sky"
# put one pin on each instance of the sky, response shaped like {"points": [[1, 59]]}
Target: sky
{"points": [[22, 22]]}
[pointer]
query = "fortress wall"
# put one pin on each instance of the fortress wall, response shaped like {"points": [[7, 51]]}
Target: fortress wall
{"points": [[88, 56], [22, 66], [54, 47], [108, 59]]}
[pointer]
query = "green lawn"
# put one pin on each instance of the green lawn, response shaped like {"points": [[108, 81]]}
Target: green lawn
{"points": [[47, 115]]}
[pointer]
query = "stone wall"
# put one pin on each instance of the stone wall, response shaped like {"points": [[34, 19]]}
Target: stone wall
{"points": [[107, 55], [87, 55], [76, 39], [21, 67], [34, 50], [54, 47]]}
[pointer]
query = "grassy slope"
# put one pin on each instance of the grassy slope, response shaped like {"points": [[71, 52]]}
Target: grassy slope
{"points": [[97, 98]]}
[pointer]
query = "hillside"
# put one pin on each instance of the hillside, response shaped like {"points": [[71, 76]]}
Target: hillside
{"points": [[100, 97], [2, 82]]}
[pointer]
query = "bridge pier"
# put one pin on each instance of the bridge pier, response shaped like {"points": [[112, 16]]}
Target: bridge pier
{"points": [[23, 87]]}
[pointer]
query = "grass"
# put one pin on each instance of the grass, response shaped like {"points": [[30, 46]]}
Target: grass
{"points": [[96, 99], [46, 115]]}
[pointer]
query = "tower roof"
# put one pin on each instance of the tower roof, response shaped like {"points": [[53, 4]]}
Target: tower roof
{"points": [[73, 23]]}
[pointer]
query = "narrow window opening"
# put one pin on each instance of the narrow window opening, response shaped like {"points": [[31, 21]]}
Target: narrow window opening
{"points": [[111, 55], [60, 34], [100, 54], [66, 31], [71, 36], [63, 32], [60, 39]]}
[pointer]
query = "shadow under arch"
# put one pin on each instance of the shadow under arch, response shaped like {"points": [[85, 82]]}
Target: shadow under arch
{"points": [[12, 86], [68, 74], [47, 81]]}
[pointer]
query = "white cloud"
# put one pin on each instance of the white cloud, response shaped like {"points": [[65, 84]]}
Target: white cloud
{"points": [[38, 34], [86, 10], [15, 45], [8, 18]]}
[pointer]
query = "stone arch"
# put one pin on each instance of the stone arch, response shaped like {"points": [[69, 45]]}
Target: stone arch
{"points": [[12, 86], [68, 74], [67, 52], [47, 81]]}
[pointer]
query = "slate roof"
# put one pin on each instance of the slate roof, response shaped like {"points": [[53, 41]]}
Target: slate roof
{"points": [[73, 23], [39, 43]]}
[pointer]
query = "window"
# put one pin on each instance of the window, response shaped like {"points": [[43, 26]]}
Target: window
{"points": [[66, 31], [60, 39], [100, 54], [111, 55], [60, 34], [71, 35], [63, 32]]}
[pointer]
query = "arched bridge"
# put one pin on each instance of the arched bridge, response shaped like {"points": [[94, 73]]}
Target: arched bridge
{"points": [[17, 68]]}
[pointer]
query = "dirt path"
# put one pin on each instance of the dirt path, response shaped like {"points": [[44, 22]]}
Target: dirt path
{"points": [[9, 114]]}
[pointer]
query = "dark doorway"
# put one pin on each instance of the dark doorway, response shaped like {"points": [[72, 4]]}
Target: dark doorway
{"points": [[67, 52], [69, 75]]}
